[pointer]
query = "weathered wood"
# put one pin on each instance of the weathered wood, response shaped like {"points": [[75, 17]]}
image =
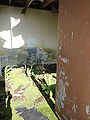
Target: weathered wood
{"points": [[47, 2], [27, 5], [9, 2]]}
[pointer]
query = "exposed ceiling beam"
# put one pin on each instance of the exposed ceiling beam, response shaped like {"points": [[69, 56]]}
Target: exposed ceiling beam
{"points": [[29, 2], [46, 3], [55, 7], [26, 6], [9, 2]]}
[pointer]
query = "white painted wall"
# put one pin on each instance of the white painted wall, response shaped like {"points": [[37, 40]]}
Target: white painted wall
{"points": [[37, 28]]}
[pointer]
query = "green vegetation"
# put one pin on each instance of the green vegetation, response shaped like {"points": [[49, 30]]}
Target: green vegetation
{"points": [[25, 93], [52, 53]]}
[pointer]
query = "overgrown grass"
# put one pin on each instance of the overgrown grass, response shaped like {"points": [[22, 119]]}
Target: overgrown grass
{"points": [[31, 93]]}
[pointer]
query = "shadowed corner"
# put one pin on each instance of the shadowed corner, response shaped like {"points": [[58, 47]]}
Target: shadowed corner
{"points": [[5, 98]]}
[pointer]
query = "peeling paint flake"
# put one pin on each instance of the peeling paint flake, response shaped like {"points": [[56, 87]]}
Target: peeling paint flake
{"points": [[61, 95], [72, 36], [61, 31], [64, 60], [65, 12], [66, 83], [65, 118], [74, 107], [81, 51], [63, 84], [60, 48], [88, 109]]}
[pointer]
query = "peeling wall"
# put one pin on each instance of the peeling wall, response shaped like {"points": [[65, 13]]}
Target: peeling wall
{"points": [[18, 33], [73, 71]]}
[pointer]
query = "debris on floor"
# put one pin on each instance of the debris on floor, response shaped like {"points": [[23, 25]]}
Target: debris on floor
{"points": [[26, 94], [30, 114]]}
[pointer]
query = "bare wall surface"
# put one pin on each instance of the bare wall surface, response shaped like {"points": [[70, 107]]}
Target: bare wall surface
{"points": [[73, 73], [18, 33]]}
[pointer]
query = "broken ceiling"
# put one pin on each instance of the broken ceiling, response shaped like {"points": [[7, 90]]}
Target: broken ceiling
{"points": [[51, 5]]}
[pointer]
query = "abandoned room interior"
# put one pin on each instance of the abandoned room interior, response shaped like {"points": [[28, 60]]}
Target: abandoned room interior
{"points": [[44, 59], [28, 59]]}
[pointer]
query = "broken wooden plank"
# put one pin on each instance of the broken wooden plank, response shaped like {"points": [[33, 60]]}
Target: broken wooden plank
{"points": [[10, 2], [27, 5], [47, 2]]}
